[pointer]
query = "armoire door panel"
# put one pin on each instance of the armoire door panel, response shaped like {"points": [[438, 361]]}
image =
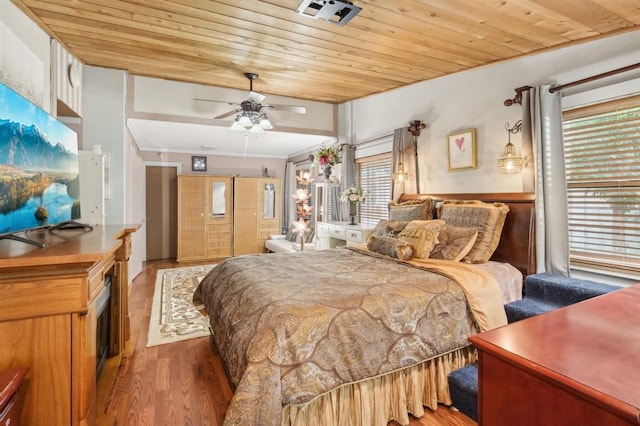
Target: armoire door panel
{"points": [[245, 215], [191, 220]]}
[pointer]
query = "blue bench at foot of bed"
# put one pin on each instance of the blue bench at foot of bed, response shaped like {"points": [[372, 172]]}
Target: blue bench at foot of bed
{"points": [[542, 293]]}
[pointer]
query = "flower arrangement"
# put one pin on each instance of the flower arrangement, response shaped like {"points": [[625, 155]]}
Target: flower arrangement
{"points": [[353, 195], [327, 156]]}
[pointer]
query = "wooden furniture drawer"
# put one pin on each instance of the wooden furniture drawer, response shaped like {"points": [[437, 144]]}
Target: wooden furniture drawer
{"points": [[338, 232], [323, 229], [33, 298], [355, 236]]}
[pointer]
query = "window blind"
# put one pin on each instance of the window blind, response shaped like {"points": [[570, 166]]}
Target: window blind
{"points": [[602, 156], [373, 174]]}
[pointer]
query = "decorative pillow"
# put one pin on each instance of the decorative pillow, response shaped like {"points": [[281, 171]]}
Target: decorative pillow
{"points": [[389, 227], [454, 243], [390, 246], [411, 210], [423, 235], [487, 218], [292, 235], [309, 234]]}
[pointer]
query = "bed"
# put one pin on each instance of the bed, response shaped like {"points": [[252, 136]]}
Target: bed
{"points": [[349, 336]]}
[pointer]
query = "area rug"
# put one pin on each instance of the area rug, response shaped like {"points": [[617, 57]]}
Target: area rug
{"points": [[173, 316]]}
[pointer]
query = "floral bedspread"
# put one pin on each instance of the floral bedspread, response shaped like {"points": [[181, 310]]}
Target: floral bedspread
{"points": [[292, 326]]}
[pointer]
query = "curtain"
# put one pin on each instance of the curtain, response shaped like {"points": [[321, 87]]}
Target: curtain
{"points": [[542, 136], [339, 209], [405, 151], [287, 196], [337, 206]]}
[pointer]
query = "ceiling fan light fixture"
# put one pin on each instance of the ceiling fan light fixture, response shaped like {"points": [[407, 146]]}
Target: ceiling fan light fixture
{"points": [[244, 120], [237, 126], [250, 116], [265, 123], [256, 129]]}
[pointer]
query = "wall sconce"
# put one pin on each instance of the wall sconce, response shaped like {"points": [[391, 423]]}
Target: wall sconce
{"points": [[399, 176], [415, 126], [511, 162]]}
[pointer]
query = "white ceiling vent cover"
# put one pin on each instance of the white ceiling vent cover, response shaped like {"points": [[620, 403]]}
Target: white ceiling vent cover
{"points": [[334, 11]]}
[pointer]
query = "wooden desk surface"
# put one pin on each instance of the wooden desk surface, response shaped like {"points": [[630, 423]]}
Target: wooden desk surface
{"points": [[63, 246], [592, 347]]}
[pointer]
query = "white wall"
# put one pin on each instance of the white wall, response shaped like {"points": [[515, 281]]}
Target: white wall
{"points": [[104, 124], [37, 41], [137, 212], [222, 165], [103, 104], [475, 99]]}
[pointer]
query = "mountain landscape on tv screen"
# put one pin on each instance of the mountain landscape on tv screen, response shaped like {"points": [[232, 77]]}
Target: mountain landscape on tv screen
{"points": [[27, 148], [38, 179]]}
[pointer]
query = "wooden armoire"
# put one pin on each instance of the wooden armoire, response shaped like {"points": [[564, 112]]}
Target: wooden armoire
{"points": [[223, 216], [205, 217]]}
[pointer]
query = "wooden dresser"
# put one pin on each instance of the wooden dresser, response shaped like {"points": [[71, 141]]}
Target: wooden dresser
{"points": [[577, 365], [48, 316]]}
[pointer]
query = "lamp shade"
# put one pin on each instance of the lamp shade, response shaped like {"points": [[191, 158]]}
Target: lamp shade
{"points": [[237, 126], [244, 120], [510, 162], [256, 129], [265, 124], [399, 176]]}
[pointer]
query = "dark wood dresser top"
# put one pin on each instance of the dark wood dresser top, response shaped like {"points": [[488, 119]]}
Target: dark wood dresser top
{"points": [[592, 347]]}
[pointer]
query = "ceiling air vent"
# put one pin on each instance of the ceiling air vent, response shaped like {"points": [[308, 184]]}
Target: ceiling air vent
{"points": [[334, 11]]}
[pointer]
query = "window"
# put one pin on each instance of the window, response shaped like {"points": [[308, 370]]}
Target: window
{"points": [[373, 174], [602, 156]]}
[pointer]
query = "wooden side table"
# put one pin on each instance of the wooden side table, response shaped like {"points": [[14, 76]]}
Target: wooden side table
{"points": [[11, 395]]}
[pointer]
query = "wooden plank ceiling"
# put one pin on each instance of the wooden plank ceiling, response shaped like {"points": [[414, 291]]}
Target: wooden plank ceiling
{"points": [[390, 43]]}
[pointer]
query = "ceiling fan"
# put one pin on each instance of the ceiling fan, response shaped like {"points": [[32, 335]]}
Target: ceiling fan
{"points": [[250, 114]]}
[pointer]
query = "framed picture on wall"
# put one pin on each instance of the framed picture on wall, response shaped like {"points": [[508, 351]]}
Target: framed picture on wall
{"points": [[462, 150], [199, 163]]}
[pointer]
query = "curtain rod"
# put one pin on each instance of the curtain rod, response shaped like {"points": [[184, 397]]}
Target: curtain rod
{"points": [[593, 78], [309, 159]]}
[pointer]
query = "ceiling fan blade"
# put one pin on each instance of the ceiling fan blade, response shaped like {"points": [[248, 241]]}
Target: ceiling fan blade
{"points": [[227, 114], [289, 108], [256, 97], [213, 100]]}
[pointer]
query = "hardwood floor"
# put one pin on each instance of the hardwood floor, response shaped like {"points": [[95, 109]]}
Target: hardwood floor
{"points": [[180, 383]]}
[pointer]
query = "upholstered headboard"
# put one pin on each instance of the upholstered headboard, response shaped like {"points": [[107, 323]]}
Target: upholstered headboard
{"points": [[517, 242]]}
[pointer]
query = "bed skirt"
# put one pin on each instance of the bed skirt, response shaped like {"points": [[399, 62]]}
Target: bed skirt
{"points": [[378, 400]]}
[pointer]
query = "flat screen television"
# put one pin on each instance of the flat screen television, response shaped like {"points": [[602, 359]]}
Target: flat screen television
{"points": [[39, 181]]}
